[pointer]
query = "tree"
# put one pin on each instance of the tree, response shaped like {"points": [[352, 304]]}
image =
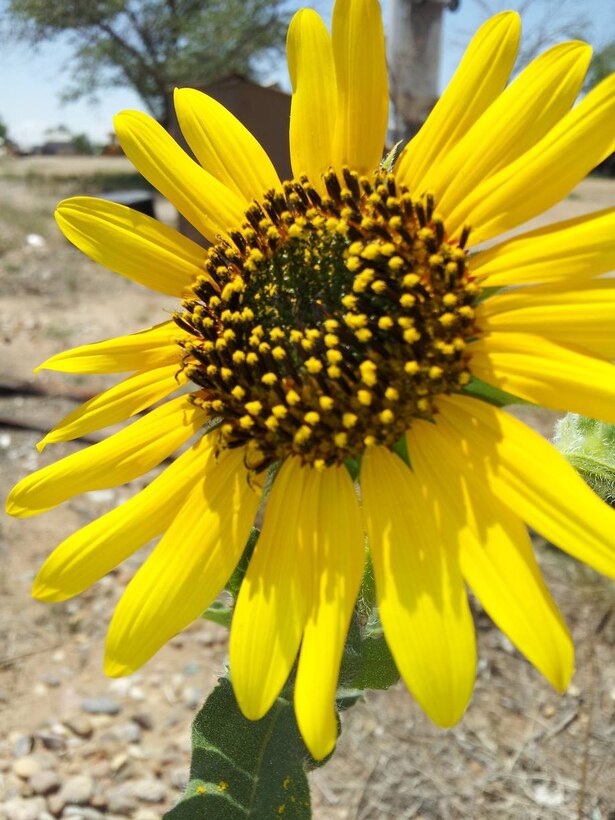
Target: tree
{"points": [[150, 45], [602, 64]]}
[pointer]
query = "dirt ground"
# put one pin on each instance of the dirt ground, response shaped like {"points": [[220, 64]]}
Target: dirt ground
{"points": [[521, 751]]}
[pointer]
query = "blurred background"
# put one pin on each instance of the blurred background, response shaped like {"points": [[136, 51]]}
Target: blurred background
{"points": [[75, 744]]}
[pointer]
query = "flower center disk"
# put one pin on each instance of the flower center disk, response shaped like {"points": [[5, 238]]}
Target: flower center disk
{"points": [[329, 322]]}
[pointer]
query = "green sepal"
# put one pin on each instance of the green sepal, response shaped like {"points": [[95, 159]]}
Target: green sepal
{"points": [[589, 445], [378, 669], [389, 161], [219, 613], [244, 768], [234, 583], [479, 389]]}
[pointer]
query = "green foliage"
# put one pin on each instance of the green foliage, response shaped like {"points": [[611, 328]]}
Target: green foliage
{"points": [[602, 64], [589, 445], [492, 395], [242, 768], [3, 131], [151, 45]]}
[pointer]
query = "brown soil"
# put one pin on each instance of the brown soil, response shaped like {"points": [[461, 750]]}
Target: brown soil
{"points": [[520, 751]]}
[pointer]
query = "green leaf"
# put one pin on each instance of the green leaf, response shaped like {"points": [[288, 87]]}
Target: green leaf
{"points": [[234, 582], [589, 445], [492, 395], [243, 768], [378, 670]]}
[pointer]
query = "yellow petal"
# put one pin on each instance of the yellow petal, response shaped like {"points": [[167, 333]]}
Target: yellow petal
{"points": [[479, 79], [522, 114], [337, 566], [223, 145], [206, 203], [314, 101], [512, 462], [498, 563], [116, 404], [120, 458], [362, 84], [577, 248], [131, 244], [421, 596], [545, 173], [188, 568], [93, 551], [272, 606], [154, 347], [546, 373], [581, 316]]}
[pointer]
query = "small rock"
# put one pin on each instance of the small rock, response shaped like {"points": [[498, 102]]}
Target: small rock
{"points": [[51, 680], [148, 791], [55, 803], [100, 496], [25, 767], [82, 813], [144, 720], [23, 745], [100, 706], [19, 808], [45, 782], [51, 741], [5, 441], [77, 790], [191, 668], [192, 696], [179, 777], [80, 725], [146, 814], [99, 801], [129, 732], [120, 801]]}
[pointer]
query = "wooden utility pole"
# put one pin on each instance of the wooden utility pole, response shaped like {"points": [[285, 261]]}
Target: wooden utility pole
{"points": [[414, 60]]}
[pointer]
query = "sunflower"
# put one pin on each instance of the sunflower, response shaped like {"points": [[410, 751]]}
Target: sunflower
{"points": [[335, 343]]}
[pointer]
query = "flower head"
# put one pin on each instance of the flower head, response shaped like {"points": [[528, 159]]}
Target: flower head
{"points": [[345, 317]]}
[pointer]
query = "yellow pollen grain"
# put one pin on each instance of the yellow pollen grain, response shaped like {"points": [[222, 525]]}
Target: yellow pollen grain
{"points": [[387, 416], [369, 441], [340, 439], [279, 411], [227, 429], [251, 358], [296, 336], [349, 301], [447, 319], [331, 325], [269, 379], [220, 343], [264, 347], [276, 333], [295, 231], [466, 311], [412, 368], [422, 405], [312, 333], [407, 300], [364, 334], [253, 407], [355, 248], [449, 300], [387, 249], [411, 335], [435, 260], [307, 344], [392, 394], [238, 392], [334, 372], [229, 334], [349, 420], [334, 356], [211, 370], [311, 418], [379, 286], [435, 372], [278, 353], [292, 398], [368, 373], [247, 314], [385, 323], [459, 344], [313, 365], [464, 378], [371, 251], [353, 263], [395, 263], [326, 403], [302, 434], [364, 397], [395, 222], [410, 280], [217, 405], [319, 464], [246, 422], [331, 224], [331, 340]]}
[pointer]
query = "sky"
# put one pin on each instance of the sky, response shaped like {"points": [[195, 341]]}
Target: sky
{"points": [[29, 101]]}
